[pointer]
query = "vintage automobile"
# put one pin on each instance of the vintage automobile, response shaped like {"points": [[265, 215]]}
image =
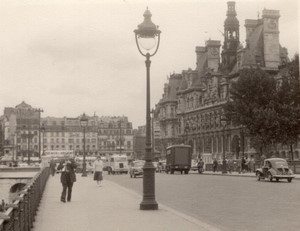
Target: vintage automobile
{"points": [[275, 168], [136, 168]]}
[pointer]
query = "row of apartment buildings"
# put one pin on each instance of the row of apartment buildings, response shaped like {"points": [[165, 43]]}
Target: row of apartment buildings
{"points": [[25, 131], [192, 102]]}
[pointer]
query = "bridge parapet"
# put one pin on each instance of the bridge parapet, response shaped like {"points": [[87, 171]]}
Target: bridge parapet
{"points": [[20, 214]]}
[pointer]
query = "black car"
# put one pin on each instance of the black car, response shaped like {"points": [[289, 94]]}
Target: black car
{"points": [[275, 168]]}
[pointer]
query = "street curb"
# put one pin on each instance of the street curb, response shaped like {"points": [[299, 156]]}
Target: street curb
{"points": [[234, 175], [204, 226]]}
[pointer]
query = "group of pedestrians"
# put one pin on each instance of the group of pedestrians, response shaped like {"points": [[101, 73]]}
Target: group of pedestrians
{"points": [[247, 165], [240, 165], [68, 175]]}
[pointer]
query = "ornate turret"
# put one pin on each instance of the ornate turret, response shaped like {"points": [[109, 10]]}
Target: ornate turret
{"points": [[231, 37]]}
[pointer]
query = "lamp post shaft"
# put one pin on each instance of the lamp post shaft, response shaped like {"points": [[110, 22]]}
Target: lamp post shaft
{"points": [[43, 140], [28, 148], [84, 163], [224, 168], [120, 138], [148, 202]]}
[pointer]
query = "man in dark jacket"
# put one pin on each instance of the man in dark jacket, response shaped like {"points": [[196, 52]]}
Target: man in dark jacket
{"points": [[67, 178], [215, 165]]}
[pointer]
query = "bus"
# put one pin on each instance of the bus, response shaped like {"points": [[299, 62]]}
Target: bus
{"points": [[56, 155]]}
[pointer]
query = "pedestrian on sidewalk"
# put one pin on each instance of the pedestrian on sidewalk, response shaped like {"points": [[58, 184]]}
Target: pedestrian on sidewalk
{"points": [[230, 164], [251, 164], [243, 164], [52, 166], [215, 165], [238, 165], [67, 178], [98, 169]]}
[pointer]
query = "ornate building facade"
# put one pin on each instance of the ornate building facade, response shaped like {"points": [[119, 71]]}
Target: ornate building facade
{"points": [[201, 93]]}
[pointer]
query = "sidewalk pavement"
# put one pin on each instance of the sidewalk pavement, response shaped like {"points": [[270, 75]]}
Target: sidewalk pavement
{"points": [[246, 174], [108, 208]]}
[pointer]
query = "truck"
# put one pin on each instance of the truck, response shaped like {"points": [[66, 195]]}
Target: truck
{"points": [[179, 158], [117, 163]]}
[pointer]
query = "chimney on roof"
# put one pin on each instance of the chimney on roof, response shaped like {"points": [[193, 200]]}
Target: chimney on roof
{"points": [[200, 54], [250, 25], [271, 38]]}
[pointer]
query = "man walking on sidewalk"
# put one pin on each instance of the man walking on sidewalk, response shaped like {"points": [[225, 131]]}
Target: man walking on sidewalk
{"points": [[67, 178]]}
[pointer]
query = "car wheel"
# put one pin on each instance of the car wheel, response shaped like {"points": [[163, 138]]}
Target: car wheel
{"points": [[134, 176], [289, 180], [270, 177], [277, 179], [258, 176]]}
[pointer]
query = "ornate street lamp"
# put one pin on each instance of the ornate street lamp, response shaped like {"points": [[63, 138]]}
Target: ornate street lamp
{"points": [[224, 124], [84, 122], [186, 131], [43, 129], [147, 38]]}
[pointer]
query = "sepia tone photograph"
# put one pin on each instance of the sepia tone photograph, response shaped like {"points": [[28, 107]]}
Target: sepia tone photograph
{"points": [[153, 115]]}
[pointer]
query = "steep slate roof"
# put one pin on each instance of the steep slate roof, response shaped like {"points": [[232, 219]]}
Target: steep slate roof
{"points": [[171, 88], [255, 46]]}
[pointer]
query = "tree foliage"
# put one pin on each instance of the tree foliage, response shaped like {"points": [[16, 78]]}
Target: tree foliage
{"points": [[269, 109], [288, 105]]}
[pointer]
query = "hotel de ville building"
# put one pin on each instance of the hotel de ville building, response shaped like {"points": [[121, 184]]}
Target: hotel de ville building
{"points": [[192, 102]]}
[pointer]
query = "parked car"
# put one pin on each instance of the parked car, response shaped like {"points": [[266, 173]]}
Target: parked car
{"points": [[136, 168], [275, 168]]}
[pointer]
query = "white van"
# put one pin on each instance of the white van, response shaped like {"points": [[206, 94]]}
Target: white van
{"points": [[117, 164]]}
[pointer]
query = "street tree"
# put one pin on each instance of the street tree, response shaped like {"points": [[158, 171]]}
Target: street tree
{"points": [[288, 106], [252, 104], [269, 108]]}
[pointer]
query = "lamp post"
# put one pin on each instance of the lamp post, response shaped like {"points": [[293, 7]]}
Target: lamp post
{"points": [[186, 130], [39, 110], [224, 123], [120, 141], [43, 129], [84, 122], [147, 37], [152, 131]]}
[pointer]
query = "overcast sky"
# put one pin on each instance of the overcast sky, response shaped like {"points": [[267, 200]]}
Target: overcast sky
{"points": [[69, 57]]}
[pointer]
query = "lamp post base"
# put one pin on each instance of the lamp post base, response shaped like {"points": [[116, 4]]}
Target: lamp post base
{"points": [[148, 205], [84, 174], [149, 202]]}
